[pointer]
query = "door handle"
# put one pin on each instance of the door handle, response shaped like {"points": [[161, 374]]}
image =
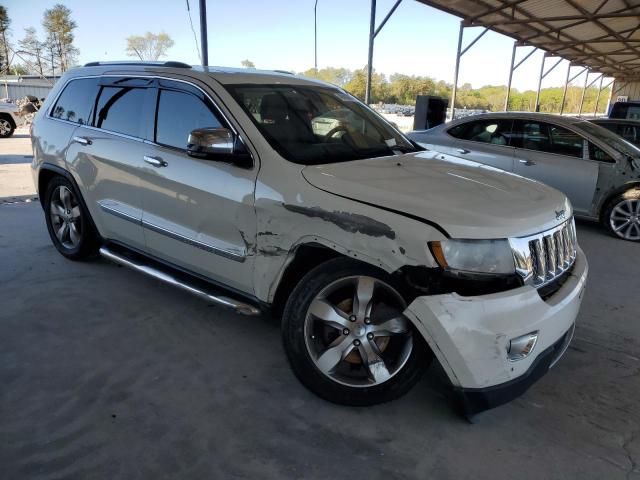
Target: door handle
{"points": [[82, 140], [155, 161], [462, 150], [528, 163]]}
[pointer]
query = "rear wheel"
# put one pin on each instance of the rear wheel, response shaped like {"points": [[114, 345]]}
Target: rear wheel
{"points": [[346, 337], [68, 223], [622, 216]]}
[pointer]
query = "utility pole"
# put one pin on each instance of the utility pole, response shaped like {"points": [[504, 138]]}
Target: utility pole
{"points": [[372, 27], [315, 36], [203, 33]]}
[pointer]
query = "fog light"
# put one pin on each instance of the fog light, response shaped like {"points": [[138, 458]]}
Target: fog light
{"points": [[521, 347]]}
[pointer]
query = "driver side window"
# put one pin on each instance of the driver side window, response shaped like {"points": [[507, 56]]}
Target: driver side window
{"points": [[178, 114]]}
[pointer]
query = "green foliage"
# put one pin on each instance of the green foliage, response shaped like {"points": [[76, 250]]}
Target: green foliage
{"points": [[5, 21], [150, 46], [59, 27], [403, 89], [247, 63]]}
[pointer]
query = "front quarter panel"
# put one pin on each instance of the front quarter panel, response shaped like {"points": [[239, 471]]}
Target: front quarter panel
{"points": [[294, 212]]}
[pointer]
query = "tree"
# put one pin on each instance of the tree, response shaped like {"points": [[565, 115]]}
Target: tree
{"points": [[149, 47], [247, 63], [337, 76], [59, 26], [33, 49], [5, 21]]}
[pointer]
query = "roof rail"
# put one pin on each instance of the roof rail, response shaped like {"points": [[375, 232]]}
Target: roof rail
{"points": [[284, 71], [171, 64]]}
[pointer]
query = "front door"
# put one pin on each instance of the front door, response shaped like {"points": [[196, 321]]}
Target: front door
{"points": [[486, 141], [558, 157], [198, 214]]}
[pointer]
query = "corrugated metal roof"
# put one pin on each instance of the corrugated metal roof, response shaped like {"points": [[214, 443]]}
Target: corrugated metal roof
{"points": [[601, 34]]}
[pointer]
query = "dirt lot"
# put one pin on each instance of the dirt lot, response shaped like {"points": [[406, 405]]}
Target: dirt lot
{"points": [[105, 373]]}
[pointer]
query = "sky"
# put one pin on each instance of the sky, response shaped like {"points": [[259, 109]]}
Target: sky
{"points": [[278, 34]]}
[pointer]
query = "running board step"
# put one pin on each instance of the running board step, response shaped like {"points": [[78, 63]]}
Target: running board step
{"points": [[181, 280]]}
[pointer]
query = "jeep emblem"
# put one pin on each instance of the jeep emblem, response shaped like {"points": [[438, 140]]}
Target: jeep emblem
{"points": [[560, 215]]}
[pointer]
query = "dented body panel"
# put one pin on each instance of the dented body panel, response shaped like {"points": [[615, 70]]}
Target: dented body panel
{"points": [[470, 335]]}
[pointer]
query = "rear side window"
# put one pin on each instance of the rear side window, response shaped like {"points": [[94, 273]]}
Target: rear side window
{"points": [[545, 137], [76, 101], [121, 109], [178, 114], [496, 132], [596, 153]]}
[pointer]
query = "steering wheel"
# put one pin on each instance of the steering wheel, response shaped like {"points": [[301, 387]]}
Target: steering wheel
{"points": [[334, 130]]}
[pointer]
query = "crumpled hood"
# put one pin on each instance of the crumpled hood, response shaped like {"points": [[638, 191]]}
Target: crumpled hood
{"points": [[467, 199]]}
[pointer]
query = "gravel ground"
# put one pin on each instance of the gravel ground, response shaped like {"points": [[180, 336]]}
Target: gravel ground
{"points": [[105, 373]]}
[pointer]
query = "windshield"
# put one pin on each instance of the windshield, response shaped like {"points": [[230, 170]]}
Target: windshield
{"points": [[314, 125], [613, 140]]}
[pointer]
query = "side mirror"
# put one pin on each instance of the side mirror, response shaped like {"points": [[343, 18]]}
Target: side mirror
{"points": [[210, 143]]}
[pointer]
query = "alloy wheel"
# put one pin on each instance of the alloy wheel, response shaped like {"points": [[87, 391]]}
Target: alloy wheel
{"points": [[625, 219], [355, 332], [66, 218], [5, 127]]}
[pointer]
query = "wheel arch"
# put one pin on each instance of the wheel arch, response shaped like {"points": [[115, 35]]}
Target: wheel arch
{"points": [[635, 184]]}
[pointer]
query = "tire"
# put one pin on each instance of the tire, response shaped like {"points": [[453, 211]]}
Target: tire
{"points": [[621, 216], [7, 127], [68, 222], [359, 362]]}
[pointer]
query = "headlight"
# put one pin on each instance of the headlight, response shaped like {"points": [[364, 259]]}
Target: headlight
{"points": [[481, 256]]}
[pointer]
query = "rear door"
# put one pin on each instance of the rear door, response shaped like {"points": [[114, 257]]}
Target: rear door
{"points": [[558, 157], [198, 214], [486, 141], [107, 156]]}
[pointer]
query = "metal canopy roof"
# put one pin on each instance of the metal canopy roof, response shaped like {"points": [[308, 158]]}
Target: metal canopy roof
{"points": [[603, 35]]}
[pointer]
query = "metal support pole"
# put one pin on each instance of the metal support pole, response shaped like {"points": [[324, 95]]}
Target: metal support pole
{"points": [[595, 110], [203, 33], [315, 36], [456, 71], [372, 26], [537, 105], [513, 59], [584, 90]]}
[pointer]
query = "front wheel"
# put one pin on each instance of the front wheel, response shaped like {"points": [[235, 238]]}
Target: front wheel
{"points": [[622, 216], [346, 337]]}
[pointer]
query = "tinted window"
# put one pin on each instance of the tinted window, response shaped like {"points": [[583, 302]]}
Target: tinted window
{"points": [[76, 101], [120, 109], [496, 132], [549, 138], [596, 153], [625, 110], [178, 114]]}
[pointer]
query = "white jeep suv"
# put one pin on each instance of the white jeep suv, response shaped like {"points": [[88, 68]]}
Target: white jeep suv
{"points": [[379, 255]]}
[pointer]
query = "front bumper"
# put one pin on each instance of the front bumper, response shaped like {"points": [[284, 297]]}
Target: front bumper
{"points": [[470, 336]]}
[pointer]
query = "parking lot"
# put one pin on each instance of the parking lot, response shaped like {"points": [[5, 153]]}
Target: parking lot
{"points": [[105, 373]]}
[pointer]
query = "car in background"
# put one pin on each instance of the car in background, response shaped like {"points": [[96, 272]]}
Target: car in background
{"points": [[627, 129], [9, 119], [598, 170], [626, 110]]}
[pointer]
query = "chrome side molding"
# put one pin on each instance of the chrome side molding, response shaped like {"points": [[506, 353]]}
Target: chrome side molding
{"points": [[166, 276]]}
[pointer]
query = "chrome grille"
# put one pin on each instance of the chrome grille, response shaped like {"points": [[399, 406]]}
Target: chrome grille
{"points": [[543, 257]]}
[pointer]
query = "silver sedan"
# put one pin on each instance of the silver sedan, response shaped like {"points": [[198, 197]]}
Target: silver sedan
{"points": [[598, 170]]}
